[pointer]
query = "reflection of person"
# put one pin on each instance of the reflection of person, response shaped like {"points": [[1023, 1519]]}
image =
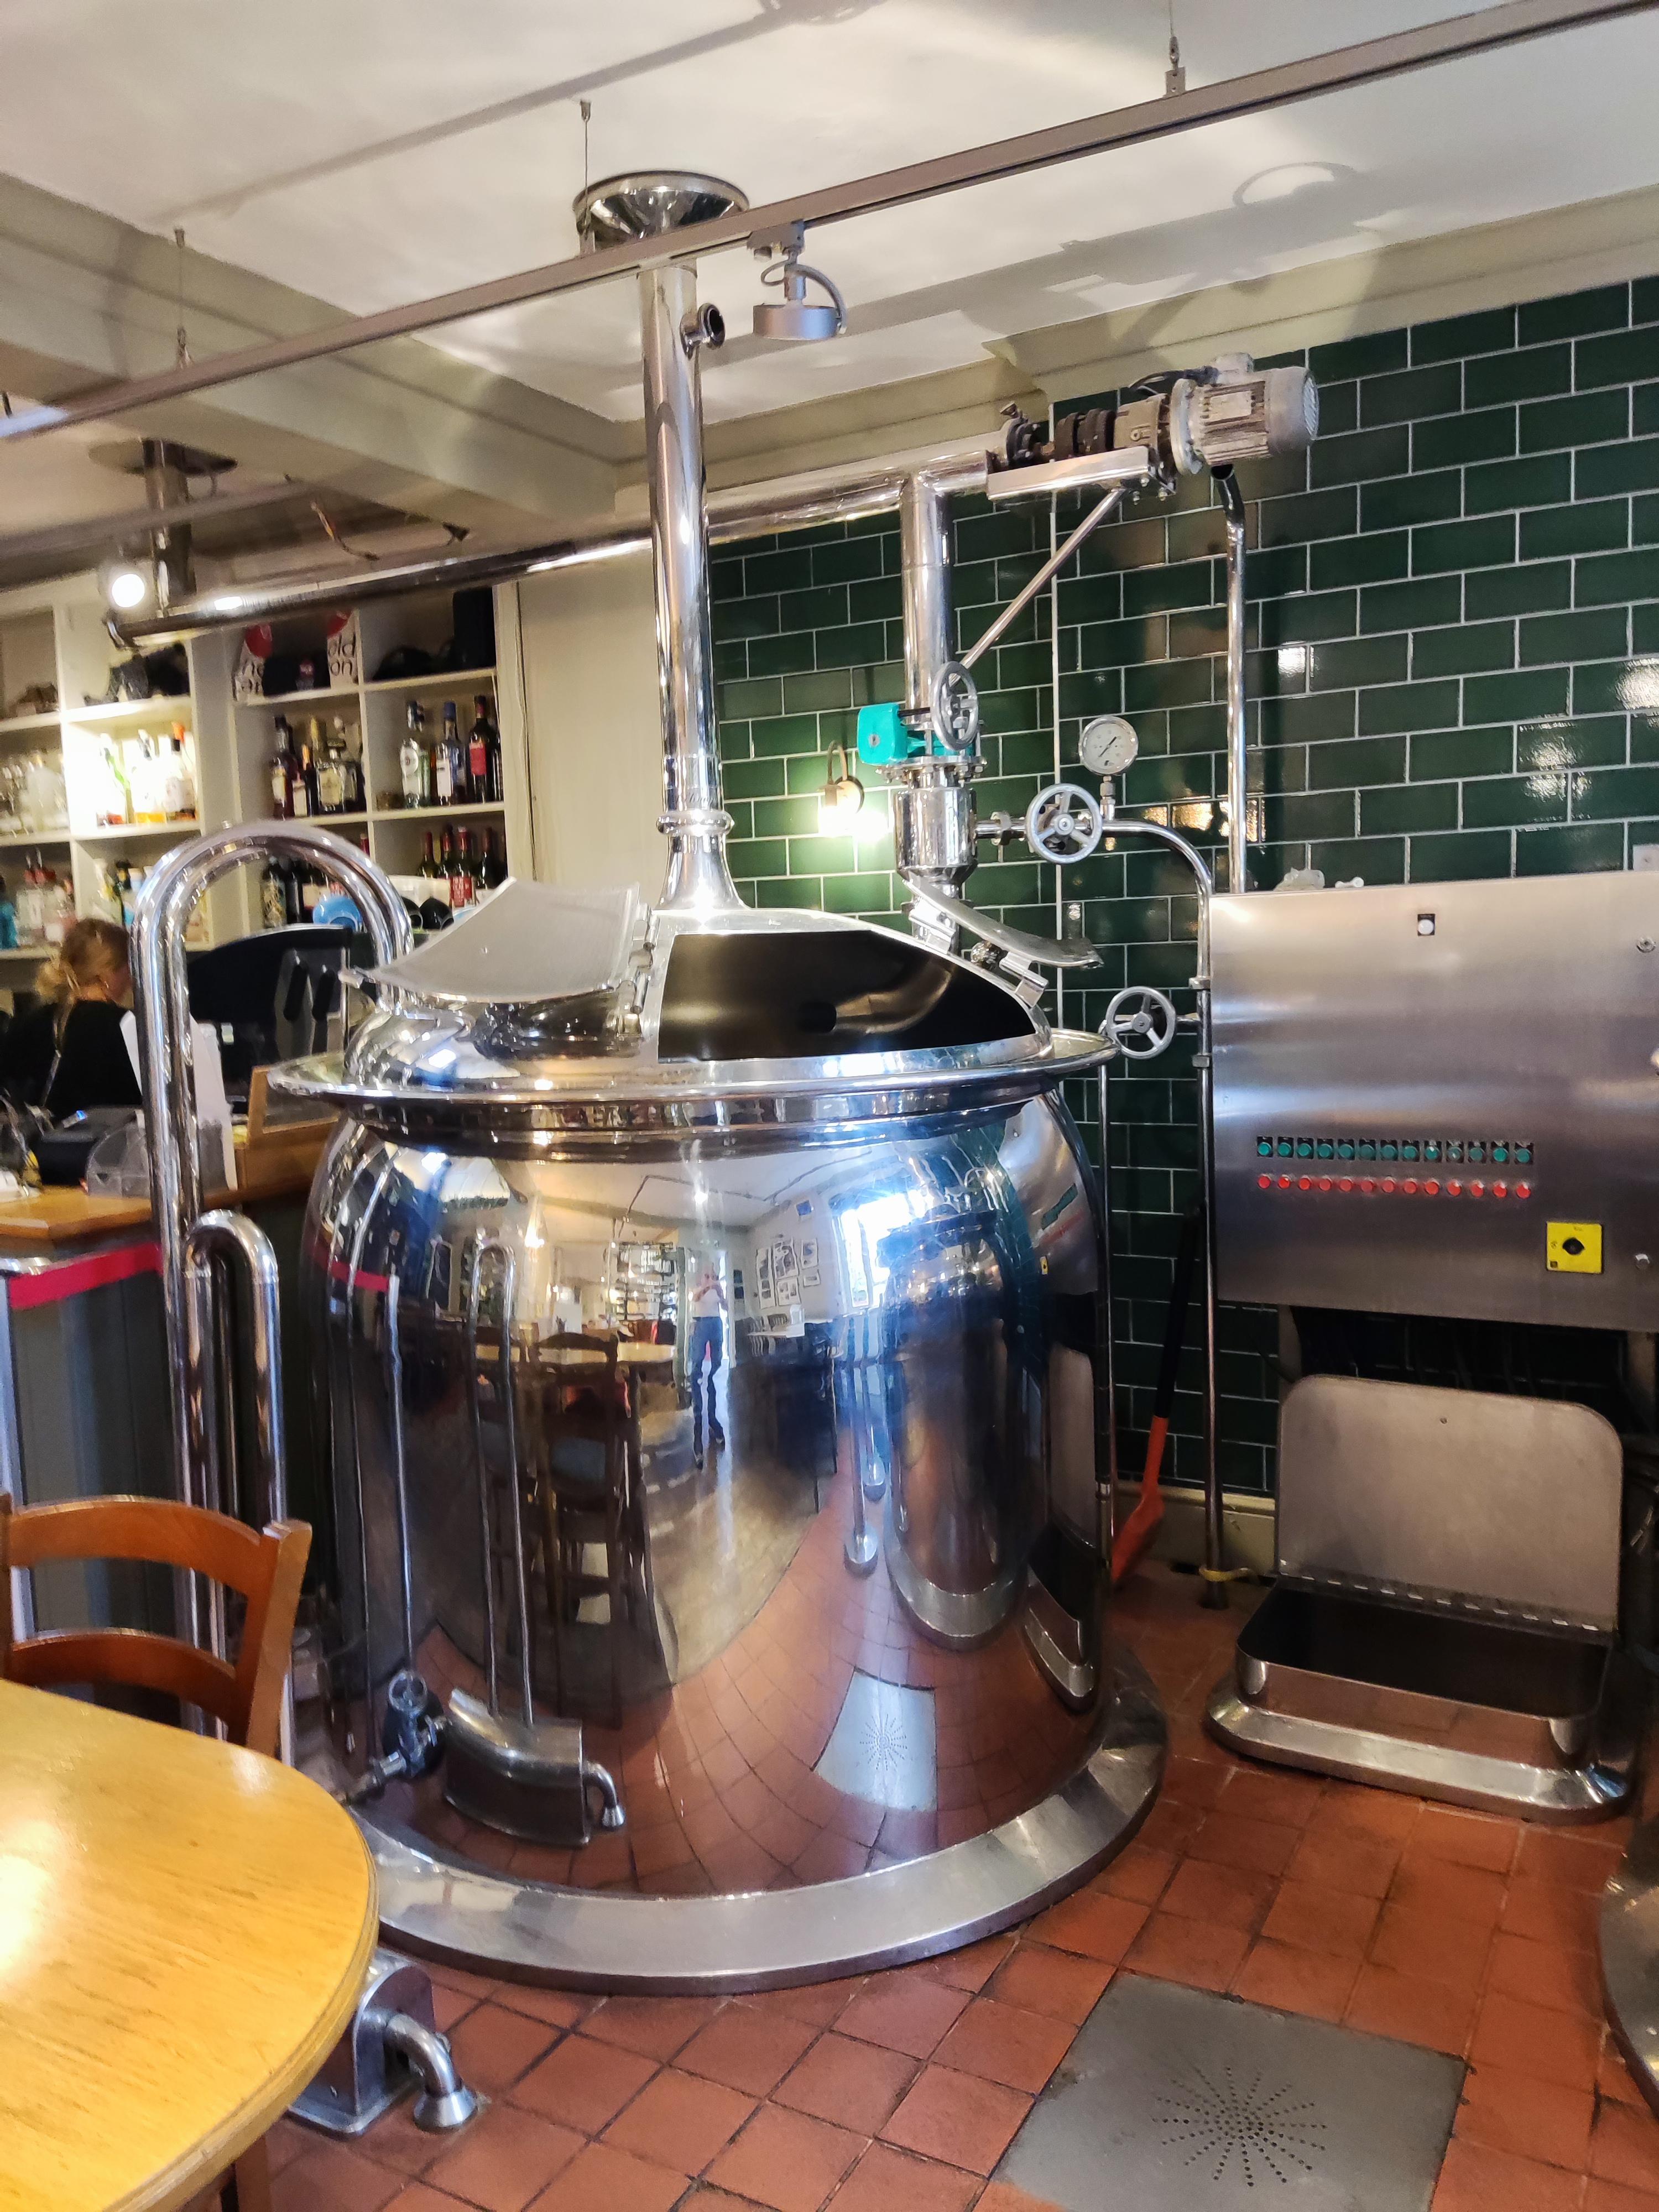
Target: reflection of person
{"points": [[708, 1343], [69, 1053]]}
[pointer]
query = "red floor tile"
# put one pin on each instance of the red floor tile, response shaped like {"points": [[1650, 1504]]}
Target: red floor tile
{"points": [[1612, 2196], [1625, 2148], [856, 2084], [1231, 1840], [504, 2159], [1317, 1918], [786, 2161], [1059, 1983], [1003, 2196], [1475, 2179], [1470, 1839], [1363, 1864], [1095, 1927], [1430, 1947], [1005, 2043], [1530, 2118], [958, 2117], [494, 2047], [1613, 2077], [558, 2007], [583, 2084], [1556, 2046], [1293, 1980], [889, 2180], [1416, 2011], [1546, 1974], [654, 2027], [746, 2049], [613, 2179], [972, 1967], [1264, 1794], [1577, 1861], [1196, 1952], [679, 2120], [1441, 1891], [1202, 1891], [1138, 1872], [906, 2012], [334, 2177], [417, 2197], [1547, 1912]]}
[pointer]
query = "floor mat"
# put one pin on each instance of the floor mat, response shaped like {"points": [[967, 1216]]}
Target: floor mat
{"points": [[1172, 2098]]}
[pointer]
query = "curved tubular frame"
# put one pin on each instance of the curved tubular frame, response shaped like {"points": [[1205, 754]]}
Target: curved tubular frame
{"points": [[1215, 1569], [452, 1909], [165, 1042]]}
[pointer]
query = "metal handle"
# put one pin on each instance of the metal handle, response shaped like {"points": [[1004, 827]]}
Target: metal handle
{"points": [[488, 1248], [1064, 823], [1140, 1022]]}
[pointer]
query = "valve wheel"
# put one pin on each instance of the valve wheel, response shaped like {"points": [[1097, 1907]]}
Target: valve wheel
{"points": [[956, 707], [1063, 823], [1140, 1022]]}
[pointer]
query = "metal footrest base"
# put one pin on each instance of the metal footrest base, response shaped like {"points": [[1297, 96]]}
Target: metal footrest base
{"points": [[361, 2079], [1470, 1712]]}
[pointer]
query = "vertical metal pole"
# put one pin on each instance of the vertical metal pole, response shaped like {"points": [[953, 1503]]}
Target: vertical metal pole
{"points": [[925, 560], [693, 818], [1107, 1357], [1238, 797], [394, 1347], [1214, 1588]]}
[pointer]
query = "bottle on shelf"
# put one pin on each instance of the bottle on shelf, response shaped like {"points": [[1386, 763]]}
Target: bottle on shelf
{"points": [[484, 753], [462, 884], [145, 779], [448, 772], [288, 763], [414, 761], [428, 867], [329, 755], [178, 779], [308, 773], [492, 866], [273, 896], [351, 760]]}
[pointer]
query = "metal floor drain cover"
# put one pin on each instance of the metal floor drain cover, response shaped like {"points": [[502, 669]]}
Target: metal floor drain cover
{"points": [[883, 1745], [1172, 2098]]}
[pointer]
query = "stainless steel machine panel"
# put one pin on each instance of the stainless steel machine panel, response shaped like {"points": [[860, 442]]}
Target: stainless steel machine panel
{"points": [[1438, 1099]]}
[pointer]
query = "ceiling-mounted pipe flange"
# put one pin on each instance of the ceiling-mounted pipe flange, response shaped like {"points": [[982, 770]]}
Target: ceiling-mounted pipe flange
{"points": [[648, 204]]}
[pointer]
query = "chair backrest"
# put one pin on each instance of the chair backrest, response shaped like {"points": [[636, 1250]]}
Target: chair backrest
{"points": [[266, 1567]]}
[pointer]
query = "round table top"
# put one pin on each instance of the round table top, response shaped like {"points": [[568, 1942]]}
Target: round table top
{"points": [[184, 1931]]}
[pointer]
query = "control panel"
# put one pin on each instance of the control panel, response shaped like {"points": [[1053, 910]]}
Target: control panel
{"points": [[1441, 1099]]}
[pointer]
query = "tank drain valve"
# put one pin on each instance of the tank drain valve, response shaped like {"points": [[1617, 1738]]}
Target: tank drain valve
{"points": [[411, 1737]]}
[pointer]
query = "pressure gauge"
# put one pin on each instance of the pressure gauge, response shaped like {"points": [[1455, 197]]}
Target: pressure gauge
{"points": [[1107, 745]]}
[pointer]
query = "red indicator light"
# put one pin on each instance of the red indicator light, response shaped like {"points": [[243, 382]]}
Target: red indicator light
{"points": [[1523, 1190], [1433, 1188], [1307, 1183], [1477, 1190], [1284, 1182], [1387, 1184], [1368, 1185], [1500, 1190], [1324, 1183], [1264, 1183], [1346, 1183], [1409, 1186], [1454, 1190]]}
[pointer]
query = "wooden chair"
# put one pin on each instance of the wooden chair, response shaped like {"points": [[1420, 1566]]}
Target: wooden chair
{"points": [[266, 1569]]}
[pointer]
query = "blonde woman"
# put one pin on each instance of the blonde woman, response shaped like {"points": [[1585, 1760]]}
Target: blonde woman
{"points": [[69, 1053]]}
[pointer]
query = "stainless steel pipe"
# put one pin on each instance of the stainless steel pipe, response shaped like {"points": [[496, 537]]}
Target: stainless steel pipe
{"points": [[925, 565], [165, 1042], [1238, 794]]}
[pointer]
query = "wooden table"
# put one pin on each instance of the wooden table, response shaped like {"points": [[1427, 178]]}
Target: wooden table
{"points": [[183, 1930], [61, 1214]]}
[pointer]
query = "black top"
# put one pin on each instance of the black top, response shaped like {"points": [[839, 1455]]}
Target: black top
{"points": [[94, 1068]]}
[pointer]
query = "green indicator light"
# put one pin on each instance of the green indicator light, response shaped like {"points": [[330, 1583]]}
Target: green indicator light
{"points": [[1304, 1148], [1477, 1154], [1390, 1151], [1285, 1148], [1264, 1148], [1367, 1148], [1499, 1154], [1430, 1151], [1345, 1149], [1523, 1155], [1408, 1152], [1327, 1149], [1454, 1152]]}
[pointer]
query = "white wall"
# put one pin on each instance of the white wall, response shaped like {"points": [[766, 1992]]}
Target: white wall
{"points": [[593, 723]]}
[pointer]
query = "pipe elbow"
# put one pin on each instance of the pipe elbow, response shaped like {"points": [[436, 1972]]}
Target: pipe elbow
{"points": [[595, 1777], [444, 2101]]}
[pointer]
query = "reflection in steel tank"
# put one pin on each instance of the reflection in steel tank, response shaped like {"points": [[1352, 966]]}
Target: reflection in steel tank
{"points": [[784, 1534]]}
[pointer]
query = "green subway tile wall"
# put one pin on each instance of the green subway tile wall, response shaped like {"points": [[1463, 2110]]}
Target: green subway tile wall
{"points": [[1454, 673]]}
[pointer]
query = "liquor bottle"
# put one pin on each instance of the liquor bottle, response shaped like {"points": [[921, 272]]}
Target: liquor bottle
{"points": [[280, 805], [462, 884], [448, 769], [299, 807], [179, 783], [352, 767], [329, 758], [414, 763], [308, 775], [273, 896], [428, 867]]}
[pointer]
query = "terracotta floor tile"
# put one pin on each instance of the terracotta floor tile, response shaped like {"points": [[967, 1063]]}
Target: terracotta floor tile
{"points": [[705, 2199], [679, 2120], [1290, 1800], [558, 2007], [417, 2197], [1414, 2010], [1319, 1918], [1475, 2179], [1612, 2196], [1613, 2077], [1431, 1947], [958, 2117], [503, 2158], [1471, 1839], [1530, 2118], [1003, 2196], [1095, 1927], [1138, 1872], [450, 2005], [903, 2013], [1202, 1891], [395, 2142], [1444, 1891], [1254, 1846], [972, 1967], [1546, 1974], [1350, 1808], [889, 2180], [1547, 1912], [1625, 2148], [1581, 1862], [1005, 2043], [746, 2049], [1289, 1979], [856, 2084], [600, 2176], [583, 2084], [494, 2047], [1363, 1864], [654, 2027], [1195, 1952], [334, 2177], [1557, 2046], [1058, 1983], [816, 2002], [1194, 1781], [786, 2160]]}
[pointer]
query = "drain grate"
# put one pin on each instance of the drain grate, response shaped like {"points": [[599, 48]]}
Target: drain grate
{"points": [[1172, 2098]]}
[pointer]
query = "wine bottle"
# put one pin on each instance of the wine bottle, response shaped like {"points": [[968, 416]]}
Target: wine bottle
{"points": [[414, 762], [281, 805], [462, 884], [428, 867], [485, 732]]}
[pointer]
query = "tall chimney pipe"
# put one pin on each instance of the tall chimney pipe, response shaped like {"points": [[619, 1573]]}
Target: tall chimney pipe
{"points": [[672, 333]]}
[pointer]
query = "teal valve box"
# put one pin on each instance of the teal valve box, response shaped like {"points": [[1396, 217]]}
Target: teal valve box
{"points": [[884, 740]]}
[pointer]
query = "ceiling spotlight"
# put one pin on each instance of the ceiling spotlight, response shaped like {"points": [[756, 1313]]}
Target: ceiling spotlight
{"points": [[128, 586], [795, 316]]}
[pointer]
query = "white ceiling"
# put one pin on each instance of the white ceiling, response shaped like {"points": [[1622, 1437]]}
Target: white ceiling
{"points": [[378, 152]]}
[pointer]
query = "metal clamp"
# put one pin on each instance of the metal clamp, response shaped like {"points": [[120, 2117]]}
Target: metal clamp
{"points": [[1063, 823], [1140, 1022]]}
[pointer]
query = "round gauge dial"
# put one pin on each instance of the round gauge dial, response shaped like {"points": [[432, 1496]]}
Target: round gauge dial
{"points": [[1107, 745]]}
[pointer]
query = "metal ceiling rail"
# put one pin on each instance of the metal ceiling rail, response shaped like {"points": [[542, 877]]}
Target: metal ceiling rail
{"points": [[1374, 59]]}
